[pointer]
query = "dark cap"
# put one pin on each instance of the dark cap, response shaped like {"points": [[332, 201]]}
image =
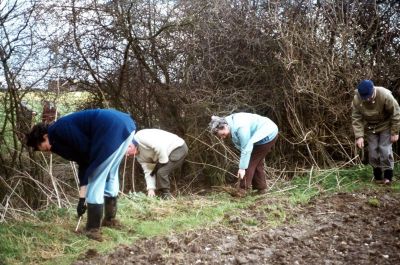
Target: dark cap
{"points": [[365, 89]]}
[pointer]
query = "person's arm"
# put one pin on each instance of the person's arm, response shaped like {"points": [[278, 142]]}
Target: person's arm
{"points": [[83, 178], [150, 180], [246, 146], [160, 152], [357, 122], [392, 107], [81, 207], [156, 168], [82, 191]]}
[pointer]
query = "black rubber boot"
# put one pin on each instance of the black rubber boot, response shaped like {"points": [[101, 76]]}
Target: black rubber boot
{"points": [[378, 174], [95, 213], [110, 211], [388, 176], [165, 194]]}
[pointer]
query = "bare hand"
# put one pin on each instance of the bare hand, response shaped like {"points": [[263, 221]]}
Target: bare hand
{"points": [[151, 193], [394, 138], [360, 142], [241, 173]]}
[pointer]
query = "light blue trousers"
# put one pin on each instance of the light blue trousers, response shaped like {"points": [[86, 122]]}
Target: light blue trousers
{"points": [[105, 178]]}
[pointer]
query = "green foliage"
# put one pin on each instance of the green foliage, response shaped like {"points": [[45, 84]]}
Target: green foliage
{"points": [[374, 202], [250, 221], [275, 215], [334, 180], [53, 211], [52, 239]]}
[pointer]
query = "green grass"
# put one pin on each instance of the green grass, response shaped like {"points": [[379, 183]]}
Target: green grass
{"points": [[343, 180], [49, 238]]}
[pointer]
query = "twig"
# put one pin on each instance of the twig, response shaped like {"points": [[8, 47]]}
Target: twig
{"points": [[5, 209], [123, 175], [209, 165], [16, 194], [276, 180], [133, 173], [77, 225], [310, 176], [75, 173], [53, 179]]}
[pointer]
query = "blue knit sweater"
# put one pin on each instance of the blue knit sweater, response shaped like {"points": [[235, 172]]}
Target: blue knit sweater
{"points": [[89, 137]]}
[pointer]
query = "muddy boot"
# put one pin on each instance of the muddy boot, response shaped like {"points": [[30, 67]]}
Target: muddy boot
{"points": [[95, 213], [378, 175], [261, 192], [110, 211], [165, 194], [388, 176]]}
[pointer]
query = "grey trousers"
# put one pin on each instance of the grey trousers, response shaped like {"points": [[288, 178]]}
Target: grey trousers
{"points": [[380, 151], [176, 159]]}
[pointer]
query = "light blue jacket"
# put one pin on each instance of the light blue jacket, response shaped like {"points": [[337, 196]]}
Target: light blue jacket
{"points": [[246, 130]]}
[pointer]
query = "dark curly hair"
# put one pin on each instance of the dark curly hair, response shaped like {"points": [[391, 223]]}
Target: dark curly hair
{"points": [[35, 137]]}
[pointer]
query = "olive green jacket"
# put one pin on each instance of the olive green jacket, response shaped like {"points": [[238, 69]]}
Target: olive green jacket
{"points": [[381, 114]]}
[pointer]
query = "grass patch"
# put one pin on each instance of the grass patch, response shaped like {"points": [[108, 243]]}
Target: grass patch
{"points": [[275, 215], [50, 237], [330, 181], [374, 202], [52, 240]]}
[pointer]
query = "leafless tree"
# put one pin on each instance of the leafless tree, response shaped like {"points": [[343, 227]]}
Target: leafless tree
{"points": [[19, 55], [172, 64]]}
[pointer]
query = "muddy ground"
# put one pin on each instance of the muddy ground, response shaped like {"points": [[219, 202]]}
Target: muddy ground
{"points": [[358, 228]]}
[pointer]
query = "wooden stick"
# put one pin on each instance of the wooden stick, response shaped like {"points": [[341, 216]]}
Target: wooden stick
{"points": [[77, 225], [133, 173], [123, 175]]}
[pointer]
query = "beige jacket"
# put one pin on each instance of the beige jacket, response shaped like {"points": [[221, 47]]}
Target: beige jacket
{"points": [[155, 146], [376, 116]]}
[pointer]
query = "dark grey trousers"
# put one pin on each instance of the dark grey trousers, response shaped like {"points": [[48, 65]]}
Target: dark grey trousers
{"points": [[380, 151], [176, 159]]}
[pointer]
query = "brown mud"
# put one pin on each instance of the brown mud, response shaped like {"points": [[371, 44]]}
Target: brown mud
{"points": [[357, 228]]}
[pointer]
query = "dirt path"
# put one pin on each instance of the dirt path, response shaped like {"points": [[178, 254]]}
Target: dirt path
{"points": [[341, 229]]}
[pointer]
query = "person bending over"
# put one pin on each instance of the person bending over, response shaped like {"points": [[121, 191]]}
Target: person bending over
{"points": [[97, 141], [159, 152], [376, 117], [254, 136]]}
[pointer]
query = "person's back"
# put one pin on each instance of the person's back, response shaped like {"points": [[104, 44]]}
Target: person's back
{"points": [[159, 152], [79, 136]]}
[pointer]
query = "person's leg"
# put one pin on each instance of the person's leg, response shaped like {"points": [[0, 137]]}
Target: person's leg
{"points": [[257, 157], [254, 174], [110, 196], [112, 185], [176, 159], [94, 215], [386, 155], [373, 155], [100, 184], [95, 202], [259, 179]]}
